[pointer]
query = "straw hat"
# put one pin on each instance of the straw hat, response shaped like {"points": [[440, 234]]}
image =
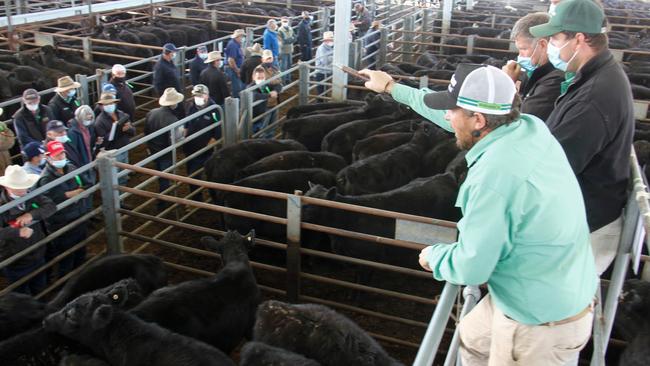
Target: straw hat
{"points": [[107, 98], [328, 36], [237, 33], [267, 54], [17, 178], [66, 83], [170, 97], [212, 57], [256, 50]]}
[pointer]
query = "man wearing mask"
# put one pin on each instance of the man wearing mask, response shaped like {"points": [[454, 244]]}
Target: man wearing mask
{"points": [[593, 118], [113, 129], [18, 231], [234, 54], [32, 118], [123, 90], [214, 78], [65, 101], [57, 131], [271, 39], [267, 92], [83, 139], [253, 60], [287, 39], [324, 57], [270, 69], [197, 65], [304, 37], [540, 80], [156, 120], [201, 99], [165, 73], [56, 167], [34, 157]]}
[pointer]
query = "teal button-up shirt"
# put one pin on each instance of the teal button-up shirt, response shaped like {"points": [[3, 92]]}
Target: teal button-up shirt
{"points": [[524, 227]]}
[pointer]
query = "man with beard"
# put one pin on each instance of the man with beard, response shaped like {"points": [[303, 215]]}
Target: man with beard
{"points": [[524, 228]]}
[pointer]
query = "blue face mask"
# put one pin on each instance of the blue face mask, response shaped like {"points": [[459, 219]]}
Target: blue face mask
{"points": [[526, 63], [72, 93], [553, 53], [110, 108], [203, 56], [59, 164]]}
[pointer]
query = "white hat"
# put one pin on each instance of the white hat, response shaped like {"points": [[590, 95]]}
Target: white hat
{"points": [[170, 97], [17, 178], [266, 54], [212, 57], [118, 68], [328, 36]]}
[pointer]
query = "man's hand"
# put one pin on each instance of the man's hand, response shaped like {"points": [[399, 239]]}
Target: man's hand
{"points": [[25, 232], [76, 192], [126, 127], [380, 82], [424, 261], [513, 70], [100, 140], [273, 94], [24, 219]]}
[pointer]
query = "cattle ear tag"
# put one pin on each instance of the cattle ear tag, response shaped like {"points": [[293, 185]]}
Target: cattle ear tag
{"points": [[116, 297]]}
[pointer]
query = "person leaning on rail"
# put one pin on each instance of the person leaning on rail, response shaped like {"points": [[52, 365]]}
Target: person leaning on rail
{"points": [[524, 228]]}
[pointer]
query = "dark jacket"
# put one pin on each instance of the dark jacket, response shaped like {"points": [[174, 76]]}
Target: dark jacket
{"points": [[247, 68], [594, 123], [78, 143], [157, 119], [304, 33], [57, 195], [125, 95], [540, 91], [198, 124], [63, 110], [197, 65], [216, 82], [165, 75], [30, 127], [41, 207], [263, 93], [103, 125]]}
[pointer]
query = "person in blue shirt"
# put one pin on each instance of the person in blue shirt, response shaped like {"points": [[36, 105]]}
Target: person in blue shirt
{"points": [[234, 59], [165, 73], [324, 58], [34, 156], [271, 40], [198, 64], [304, 37]]}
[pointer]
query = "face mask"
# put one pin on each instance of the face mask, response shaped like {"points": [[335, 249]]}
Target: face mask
{"points": [[59, 164], [199, 101], [87, 122], [329, 43], [118, 80], [526, 63], [62, 139], [257, 82], [42, 162], [285, 25], [203, 56], [110, 108], [554, 56], [32, 107], [173, 106], [72, 93], [173, 55]]}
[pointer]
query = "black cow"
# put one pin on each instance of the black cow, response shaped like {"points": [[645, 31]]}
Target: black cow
{"points": [[437, 160], [125, 340], [458, 167], [19, 312], [377, 144], [391, 169], [287, 160], [219, 310], [632, 323], [261, 354], [147, 270], [300, 110], [318, 333], [399, 126], [82, 360]]}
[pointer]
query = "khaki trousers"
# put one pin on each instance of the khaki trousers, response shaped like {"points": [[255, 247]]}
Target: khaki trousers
{"points": [[488, 337], [604, 244]]}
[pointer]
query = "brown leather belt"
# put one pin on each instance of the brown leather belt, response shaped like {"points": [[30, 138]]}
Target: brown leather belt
{"points": [[578, 316]]}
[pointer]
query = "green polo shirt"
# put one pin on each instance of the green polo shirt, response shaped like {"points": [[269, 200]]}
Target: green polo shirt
{"points": [[524, 227]]}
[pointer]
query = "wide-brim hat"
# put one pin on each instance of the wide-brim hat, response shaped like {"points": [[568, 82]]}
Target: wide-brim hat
{"points": [[66, 83], [237, 33], [267, 54], [107, 98], [170, 97], [17, 178], [212, 57], [328, 36], [255, 50]]}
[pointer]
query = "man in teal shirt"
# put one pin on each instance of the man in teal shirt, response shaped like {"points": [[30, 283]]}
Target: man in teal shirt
{"points": [[524, 228]]}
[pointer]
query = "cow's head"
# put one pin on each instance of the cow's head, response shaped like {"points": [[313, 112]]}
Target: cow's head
{"points": [[80, 318], [231, 242]]}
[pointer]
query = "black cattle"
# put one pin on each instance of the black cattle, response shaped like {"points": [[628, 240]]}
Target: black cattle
{"points": [[224, 165], [391, 169], [399, 126], [310, 130], [38, 347], [481, 31], [437, 160], [147, 270], [261, 354], [341, 140], [318, 333], [286, 181], [427, 59], [377, 144], [299, 110], [49, 59], [124, 340], [219, 310], [632, 323], [18, 313], [642, 149], [287, 160], [82, 360], [640, 92], [458, 167]]}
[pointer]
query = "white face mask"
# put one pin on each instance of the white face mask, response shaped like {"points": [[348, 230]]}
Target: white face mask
{"points": [[199, 101], [87, 122], [32, 107], [203, 56], [62, 139], [257, 82]]}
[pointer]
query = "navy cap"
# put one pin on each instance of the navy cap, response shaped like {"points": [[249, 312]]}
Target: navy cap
{"points": [[169, 47], [55, 125], [109, 88], [202, 49], [33, 149]]}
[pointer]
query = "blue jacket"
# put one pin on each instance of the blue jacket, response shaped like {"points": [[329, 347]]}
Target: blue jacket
{"points": [[304, 33], [165, 75], [196, 66], [271, 42]]}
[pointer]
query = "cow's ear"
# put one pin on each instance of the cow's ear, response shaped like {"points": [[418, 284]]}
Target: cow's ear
{"points": [[250, 238], [331, 194], [210, 242], [102, 317], [311, 185]]}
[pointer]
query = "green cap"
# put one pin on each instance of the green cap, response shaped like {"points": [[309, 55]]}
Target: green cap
{"points": [[583, 16]]}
